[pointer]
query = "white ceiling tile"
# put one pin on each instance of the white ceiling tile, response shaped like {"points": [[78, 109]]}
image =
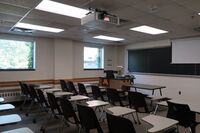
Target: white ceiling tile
{"points": [[22, 3], [179, 17], [10, 18], [193, 5], [152, 6], [12, 10], [50, 17]]}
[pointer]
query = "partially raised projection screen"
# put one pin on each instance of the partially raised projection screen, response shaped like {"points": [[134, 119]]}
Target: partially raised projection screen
{"points": [[186, 51]]}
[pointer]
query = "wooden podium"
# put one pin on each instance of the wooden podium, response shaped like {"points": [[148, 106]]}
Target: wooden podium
{"points": [[115, 83]]}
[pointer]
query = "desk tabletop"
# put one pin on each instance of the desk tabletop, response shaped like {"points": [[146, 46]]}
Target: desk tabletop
{"points": [[1, 99], [147, 87], [120, 111], [60, 94], [4, 107], [52, 90], [9, 119], [19, 130], [159, 123], [96, 103], [78, 98], [41, 86]]}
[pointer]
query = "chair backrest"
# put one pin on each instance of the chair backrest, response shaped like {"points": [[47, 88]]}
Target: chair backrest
{"points": [[68, 110], [137, 100], [63, 85], [180, 112], [33, 93], [113, 96], [88, 118], [82, 89], [117, 124], [71, 87], [53, 103], [42, 98], [96, 92], [24, 88]]}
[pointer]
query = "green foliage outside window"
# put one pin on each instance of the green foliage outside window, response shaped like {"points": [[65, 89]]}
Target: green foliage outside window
{"points": [[16, 55]]}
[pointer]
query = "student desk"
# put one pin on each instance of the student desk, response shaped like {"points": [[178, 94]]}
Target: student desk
{"points": [[4, 107], [1, 99], [19, 130], [97, 104], [148, 87], [122, 111], [78, 98], [159, 123], [9, 119]]}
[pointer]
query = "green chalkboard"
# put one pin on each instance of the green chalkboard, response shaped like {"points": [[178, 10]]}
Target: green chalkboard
{"points": [[158, 60]]}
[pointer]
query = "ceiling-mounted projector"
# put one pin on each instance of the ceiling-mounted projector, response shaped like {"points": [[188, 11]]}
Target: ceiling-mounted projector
{"points": [[100, 18]]}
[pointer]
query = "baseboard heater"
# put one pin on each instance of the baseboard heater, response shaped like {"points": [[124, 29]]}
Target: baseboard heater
{"points": [[11, 95]]}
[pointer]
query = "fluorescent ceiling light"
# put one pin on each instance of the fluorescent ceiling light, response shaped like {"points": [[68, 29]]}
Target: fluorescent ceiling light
{"points": [[62, 9], [198, 13], [38, 27], [149, 30], [108, 38]]}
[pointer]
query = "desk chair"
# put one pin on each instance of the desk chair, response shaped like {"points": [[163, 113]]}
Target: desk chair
{"points": [[183, 114], [63, 85], [34, 99], [55, 109], [88, 119], [96, 92], [137, 101], [113, 97], [82, 89], [25, 93], [68, 112], [117, 124], [42, 100], [71, 87]]}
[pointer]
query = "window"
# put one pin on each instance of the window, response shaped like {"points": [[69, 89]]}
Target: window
{"points": [[93, 58], [17, 55]]}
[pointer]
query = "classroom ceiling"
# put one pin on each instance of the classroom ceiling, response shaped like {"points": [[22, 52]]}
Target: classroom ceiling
{"points": [[179, 17]]}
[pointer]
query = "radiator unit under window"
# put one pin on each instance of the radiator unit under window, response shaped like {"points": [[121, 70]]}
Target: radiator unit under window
{"points": [[11, 95]]}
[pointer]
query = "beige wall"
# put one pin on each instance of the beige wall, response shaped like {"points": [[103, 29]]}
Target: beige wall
{"points": [[59, 59], [189, 86], [63, 59]]}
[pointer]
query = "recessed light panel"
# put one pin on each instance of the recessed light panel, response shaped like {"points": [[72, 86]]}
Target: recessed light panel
{"points": [[149, 30], [108, 38], [38, 27], [62, 9]]}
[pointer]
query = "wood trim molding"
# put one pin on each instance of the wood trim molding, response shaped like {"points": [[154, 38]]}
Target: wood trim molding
{"points": [[46, 81], [16, 83], [78, 80]]}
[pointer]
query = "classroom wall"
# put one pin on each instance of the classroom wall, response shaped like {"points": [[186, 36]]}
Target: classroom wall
{"points": [[63, 59], [44, 63], [59, 59], [188, 86]]}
